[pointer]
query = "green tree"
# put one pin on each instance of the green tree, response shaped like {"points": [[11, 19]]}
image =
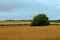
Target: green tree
{"points": [[40, 20]]}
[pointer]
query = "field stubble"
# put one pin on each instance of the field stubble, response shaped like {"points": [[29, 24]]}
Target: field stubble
{"points": [[30, 33], [26, 32]]}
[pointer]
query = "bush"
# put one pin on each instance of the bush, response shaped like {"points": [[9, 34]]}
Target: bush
{"points": [[40, 20]]}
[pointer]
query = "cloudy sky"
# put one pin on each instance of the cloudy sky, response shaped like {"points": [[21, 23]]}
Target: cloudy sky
{"points": [[26, 9]]}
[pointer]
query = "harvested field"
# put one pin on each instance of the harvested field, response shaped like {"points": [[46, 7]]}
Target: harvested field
{"points": [[30, 33], [15, 22], [13, 31], [19, 23]]}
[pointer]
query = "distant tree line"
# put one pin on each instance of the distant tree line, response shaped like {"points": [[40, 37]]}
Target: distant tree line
{"points": [[17, 20], [31, 20]]}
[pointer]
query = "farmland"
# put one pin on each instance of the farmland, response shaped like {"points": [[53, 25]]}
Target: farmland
{"points": [[15, 22], [26, 32], [22, 23]]}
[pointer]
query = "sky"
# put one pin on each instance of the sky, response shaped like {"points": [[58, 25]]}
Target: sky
{"points": [[27, 9]]}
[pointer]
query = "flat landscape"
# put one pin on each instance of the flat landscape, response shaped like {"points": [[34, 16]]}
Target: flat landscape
{"points": [[29, 19], [26, 32]]}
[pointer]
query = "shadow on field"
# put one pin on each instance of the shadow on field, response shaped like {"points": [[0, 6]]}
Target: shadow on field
{"points": [[13, 24], [54, 24], [24, 23]]}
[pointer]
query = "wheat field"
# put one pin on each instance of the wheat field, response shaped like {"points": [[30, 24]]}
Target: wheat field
{"points": [[14, 22], [26, 32]]}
